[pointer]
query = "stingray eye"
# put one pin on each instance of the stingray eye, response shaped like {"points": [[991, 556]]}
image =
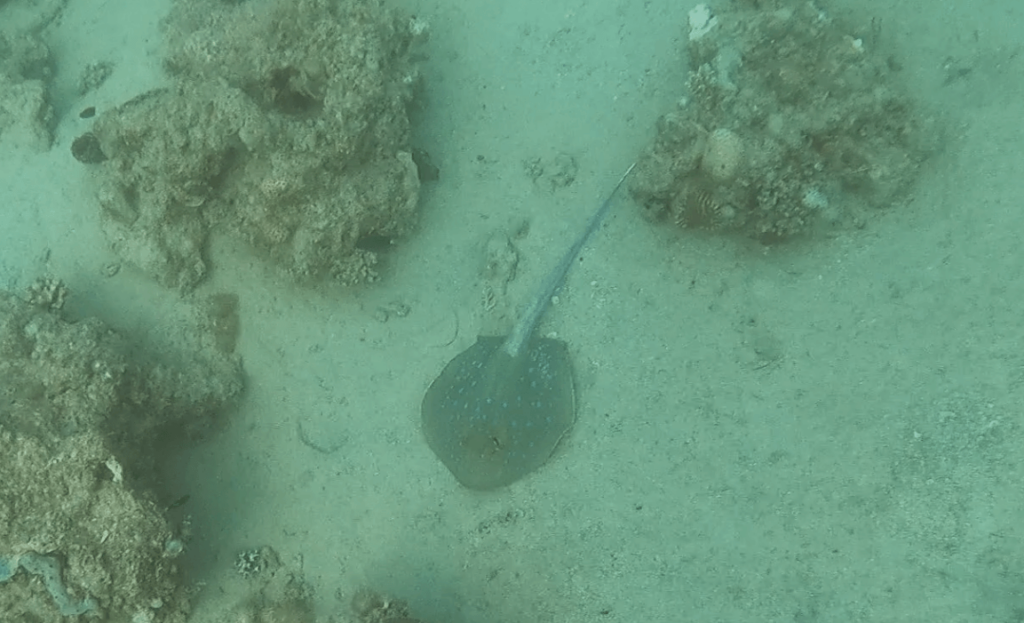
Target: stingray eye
{"points": [[482, 445]]}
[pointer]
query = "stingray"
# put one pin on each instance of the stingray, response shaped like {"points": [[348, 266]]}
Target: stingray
{"points": [[499, 408]]}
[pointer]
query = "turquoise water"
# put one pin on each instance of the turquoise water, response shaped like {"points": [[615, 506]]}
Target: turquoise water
{"points": [[823, 431]]}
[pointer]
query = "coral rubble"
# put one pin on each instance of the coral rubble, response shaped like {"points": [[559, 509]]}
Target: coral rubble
{"points": [[791, 122], [285, 124], [80, 531]]}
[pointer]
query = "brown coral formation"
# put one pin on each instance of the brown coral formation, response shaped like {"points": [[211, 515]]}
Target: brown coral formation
{"points": [[81, 417], [286, 125], [791, 122], [26, 117]]}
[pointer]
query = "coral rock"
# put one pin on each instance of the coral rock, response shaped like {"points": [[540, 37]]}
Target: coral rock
{"points": [[723, 155]]}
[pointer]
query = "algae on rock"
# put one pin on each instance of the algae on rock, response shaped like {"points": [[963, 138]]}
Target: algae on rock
{"points": [[791, 122], [285, 124], [84, 414]]}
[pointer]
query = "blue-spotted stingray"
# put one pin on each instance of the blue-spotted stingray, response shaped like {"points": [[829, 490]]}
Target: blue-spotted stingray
{"points": [[499, 408]]}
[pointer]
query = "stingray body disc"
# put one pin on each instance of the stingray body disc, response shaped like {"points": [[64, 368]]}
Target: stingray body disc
{"points": [[492, 418]]}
